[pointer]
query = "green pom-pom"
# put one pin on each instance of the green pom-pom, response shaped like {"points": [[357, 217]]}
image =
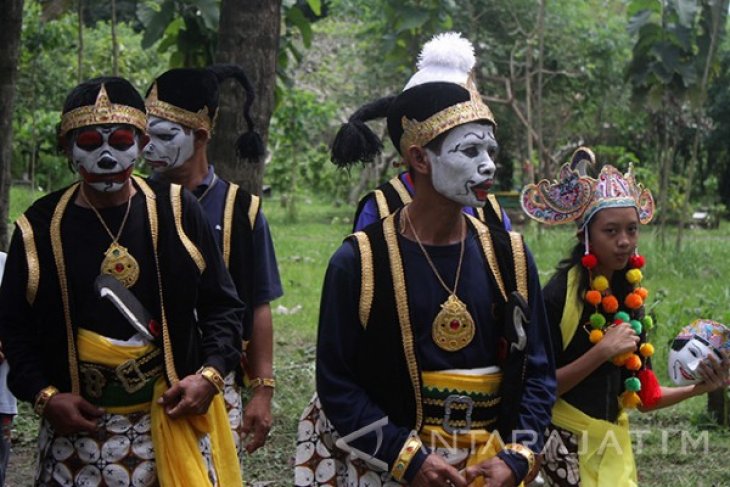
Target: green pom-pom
{"points": [[622, 315], [648, 322], [597, 320], [636, 325], [632, 384]]}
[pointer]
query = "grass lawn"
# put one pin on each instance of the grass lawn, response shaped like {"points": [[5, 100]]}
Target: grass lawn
{"points": [[683, 284]]}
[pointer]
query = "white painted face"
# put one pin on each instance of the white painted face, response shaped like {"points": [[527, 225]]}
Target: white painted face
{"points": [[104, 155], [464, 170], [170, 146], [684, 361]]}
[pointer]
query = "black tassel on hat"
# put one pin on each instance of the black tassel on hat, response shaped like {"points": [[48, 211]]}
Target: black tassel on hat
{"points": [[355, 142], [249, 145]]}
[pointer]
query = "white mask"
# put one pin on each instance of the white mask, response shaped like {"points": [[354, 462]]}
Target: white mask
{"points": [[104, 155], [170, 146], [464, 170], [684, 361]]}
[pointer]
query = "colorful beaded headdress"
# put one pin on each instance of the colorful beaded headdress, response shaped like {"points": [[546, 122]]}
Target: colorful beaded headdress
{"points": [[576, 197], [715, 334], [103, 111], [441, 95]]}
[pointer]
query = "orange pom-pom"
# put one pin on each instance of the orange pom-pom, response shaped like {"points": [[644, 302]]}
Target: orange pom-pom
{"points": [[646, 350], [595, 336], [633, 301], [630, 399], [610, 304], [633, 362], [593, 297], [620, 359], [643, 292]]}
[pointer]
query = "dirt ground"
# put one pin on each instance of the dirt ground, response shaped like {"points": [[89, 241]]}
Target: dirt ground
{"points": [[21, 466]]}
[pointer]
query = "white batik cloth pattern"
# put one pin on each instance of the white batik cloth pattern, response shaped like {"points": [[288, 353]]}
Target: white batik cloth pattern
{"points": [[119, 454], [234, 408]]}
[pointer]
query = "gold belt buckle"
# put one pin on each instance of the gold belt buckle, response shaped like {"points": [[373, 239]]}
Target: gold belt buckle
{"points": [[130, 376], [449, 403]]}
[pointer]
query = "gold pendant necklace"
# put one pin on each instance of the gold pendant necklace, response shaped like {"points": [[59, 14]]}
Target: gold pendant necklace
{"points": [[118, 262], [453, 328]]}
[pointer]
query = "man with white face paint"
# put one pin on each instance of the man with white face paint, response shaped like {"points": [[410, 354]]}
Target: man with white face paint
{"points": [[182, 105], [120, 347], [432, 323]]}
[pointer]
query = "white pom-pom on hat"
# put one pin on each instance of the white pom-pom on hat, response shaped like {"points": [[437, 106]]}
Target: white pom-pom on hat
{"points": [[447, 57]]}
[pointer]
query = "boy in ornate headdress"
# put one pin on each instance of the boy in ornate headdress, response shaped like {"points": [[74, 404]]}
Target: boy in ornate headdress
{"points": [[432, 332], [182, 105], [120, 346]]}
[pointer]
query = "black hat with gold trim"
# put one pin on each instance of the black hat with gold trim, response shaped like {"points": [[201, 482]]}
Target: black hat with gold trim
{"points": [[190, 97], [102, 101], [441, 95]]}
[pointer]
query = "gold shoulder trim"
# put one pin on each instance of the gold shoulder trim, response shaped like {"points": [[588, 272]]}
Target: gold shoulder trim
{"points": [[253, 210], [367, 278], [382, 204], [401, 189], [485, 238], [31, 258], [520, 259], [57, 247], [150, 202], [404, 317], [495, 204], [228, 222], [176, 199], [480, 214]]}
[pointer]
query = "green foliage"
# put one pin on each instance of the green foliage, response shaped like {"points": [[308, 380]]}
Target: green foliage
{"points": [[300, 160], [186, 29]]}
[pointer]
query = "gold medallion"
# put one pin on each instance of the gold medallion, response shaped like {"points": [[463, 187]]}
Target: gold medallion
{"points": [[453, 328], [120, 264]]}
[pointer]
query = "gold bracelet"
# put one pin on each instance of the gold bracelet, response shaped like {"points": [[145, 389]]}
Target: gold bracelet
{"points": [[262, 382], [524, 452], [212, 376], [406, 455], [42, 398]]}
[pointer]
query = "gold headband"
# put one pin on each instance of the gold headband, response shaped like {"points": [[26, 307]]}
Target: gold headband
{"points": [[194, 120], [421, 133], [102, 112]]}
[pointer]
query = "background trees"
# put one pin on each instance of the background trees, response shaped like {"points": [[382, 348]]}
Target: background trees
{"points": [[643, 81]]}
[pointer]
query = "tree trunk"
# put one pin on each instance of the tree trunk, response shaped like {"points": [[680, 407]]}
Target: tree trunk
{"points": [[10, 22], [115, 43], [80, 49], [248, 36]]}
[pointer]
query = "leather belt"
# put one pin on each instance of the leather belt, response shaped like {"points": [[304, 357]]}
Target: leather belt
{"points": [[133, 374]]}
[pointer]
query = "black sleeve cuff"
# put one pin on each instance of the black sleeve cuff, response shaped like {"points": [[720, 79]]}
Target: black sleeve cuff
{"points": [[516, 462], [415, 465]]}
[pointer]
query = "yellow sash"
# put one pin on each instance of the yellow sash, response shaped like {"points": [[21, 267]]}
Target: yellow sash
{"points": [[177, 455], [605, 456]]}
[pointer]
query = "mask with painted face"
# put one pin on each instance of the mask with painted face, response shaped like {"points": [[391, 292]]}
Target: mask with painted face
{"points": [[104, 155], [464, 170], [693, 345], [170, 145]]}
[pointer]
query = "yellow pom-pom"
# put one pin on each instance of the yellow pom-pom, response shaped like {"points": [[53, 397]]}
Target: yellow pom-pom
{"points": [[630, 399], [634, 276], [646, 350], [595, 336], [600, 283]]}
